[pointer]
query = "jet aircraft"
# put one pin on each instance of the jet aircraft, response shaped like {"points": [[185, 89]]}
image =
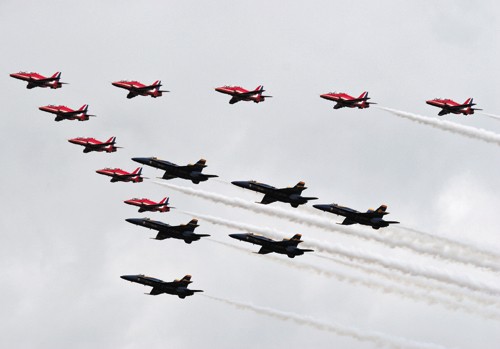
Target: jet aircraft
{"points": [[176, 287], [344, 100], [136, 88], [37, 80], [289, 195], [92, 144], [190, 172], [62, 112], [240, 94], [119, 175], [371, 217], [165, 231], [450, 106], [285, 246], [148, 205]]}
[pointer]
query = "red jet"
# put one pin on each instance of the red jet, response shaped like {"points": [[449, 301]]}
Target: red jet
{"points": [[136, 88], [240, 94], [92, 144], [119, 175], [344, 100], [37, 80], [148, 205], [450, 106], [64, 113]]}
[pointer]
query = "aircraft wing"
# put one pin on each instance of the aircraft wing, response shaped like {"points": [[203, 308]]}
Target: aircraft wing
{"points": [[348, 221], [268, 199], [162, 235], [264, 250], [166, 175], [156, 291], [142, 89]]}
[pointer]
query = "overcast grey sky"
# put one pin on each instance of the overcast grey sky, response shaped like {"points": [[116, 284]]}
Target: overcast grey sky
{"points": [[65, 239]]}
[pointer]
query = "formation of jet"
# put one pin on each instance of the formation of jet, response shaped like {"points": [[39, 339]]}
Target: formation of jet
{"points": [[289, 195], [285, 246], [240, 94], [63, 112], [177, 287], [148, 205], [450, 106], [371, 217], [165, 231], [344, 100], [92, 144], [137, 88], [190, 172], [119, 175], [37, 80]]}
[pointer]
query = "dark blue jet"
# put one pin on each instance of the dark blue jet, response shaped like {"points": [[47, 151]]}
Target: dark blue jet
{"points": [[289, 195], [176, 287], [285, 246], [371, 217], [190, 172], [165, 231]]}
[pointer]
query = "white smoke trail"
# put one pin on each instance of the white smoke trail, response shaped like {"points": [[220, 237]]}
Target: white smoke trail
{"points": [[378, 338], [492, 116], [408, 293], [451, 251], [366, 257], [467, 131]]}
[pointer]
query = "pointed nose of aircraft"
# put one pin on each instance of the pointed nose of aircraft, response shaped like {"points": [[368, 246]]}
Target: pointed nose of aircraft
{"points": [[241, 184], [143, 161], [322, 207], [134, 220], [238, 236], [131, 278]]}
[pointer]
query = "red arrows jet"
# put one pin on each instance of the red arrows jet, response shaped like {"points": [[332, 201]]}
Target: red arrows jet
{"points": [[64, 113], [37, 80], [240, 94], [450, 106], [136, 88], [344, 100], [148, 205], [92, 144], [119, 175]]}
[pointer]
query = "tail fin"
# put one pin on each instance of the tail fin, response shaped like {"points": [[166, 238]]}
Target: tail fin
{"points": [[301, 184], [382, 210], [137, 171], [296, 237], [364, 96], [259, 89], [201, 163], [164, 201], [112, 140], [186, 279], [469, 101], [84, 108], [193, 222], [56, 75]]}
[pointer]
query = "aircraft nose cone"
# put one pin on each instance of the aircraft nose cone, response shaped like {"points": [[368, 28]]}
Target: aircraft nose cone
{"points": [[141, 160], [134, 220], [237, 236], [128, 277], [322, 207], [239, 183]]}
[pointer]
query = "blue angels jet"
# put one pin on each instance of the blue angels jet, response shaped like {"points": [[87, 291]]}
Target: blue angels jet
{"points": [[191, 172], [165, 231], [285, 246], [291, 195], [371, 217], [176, 287]]}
